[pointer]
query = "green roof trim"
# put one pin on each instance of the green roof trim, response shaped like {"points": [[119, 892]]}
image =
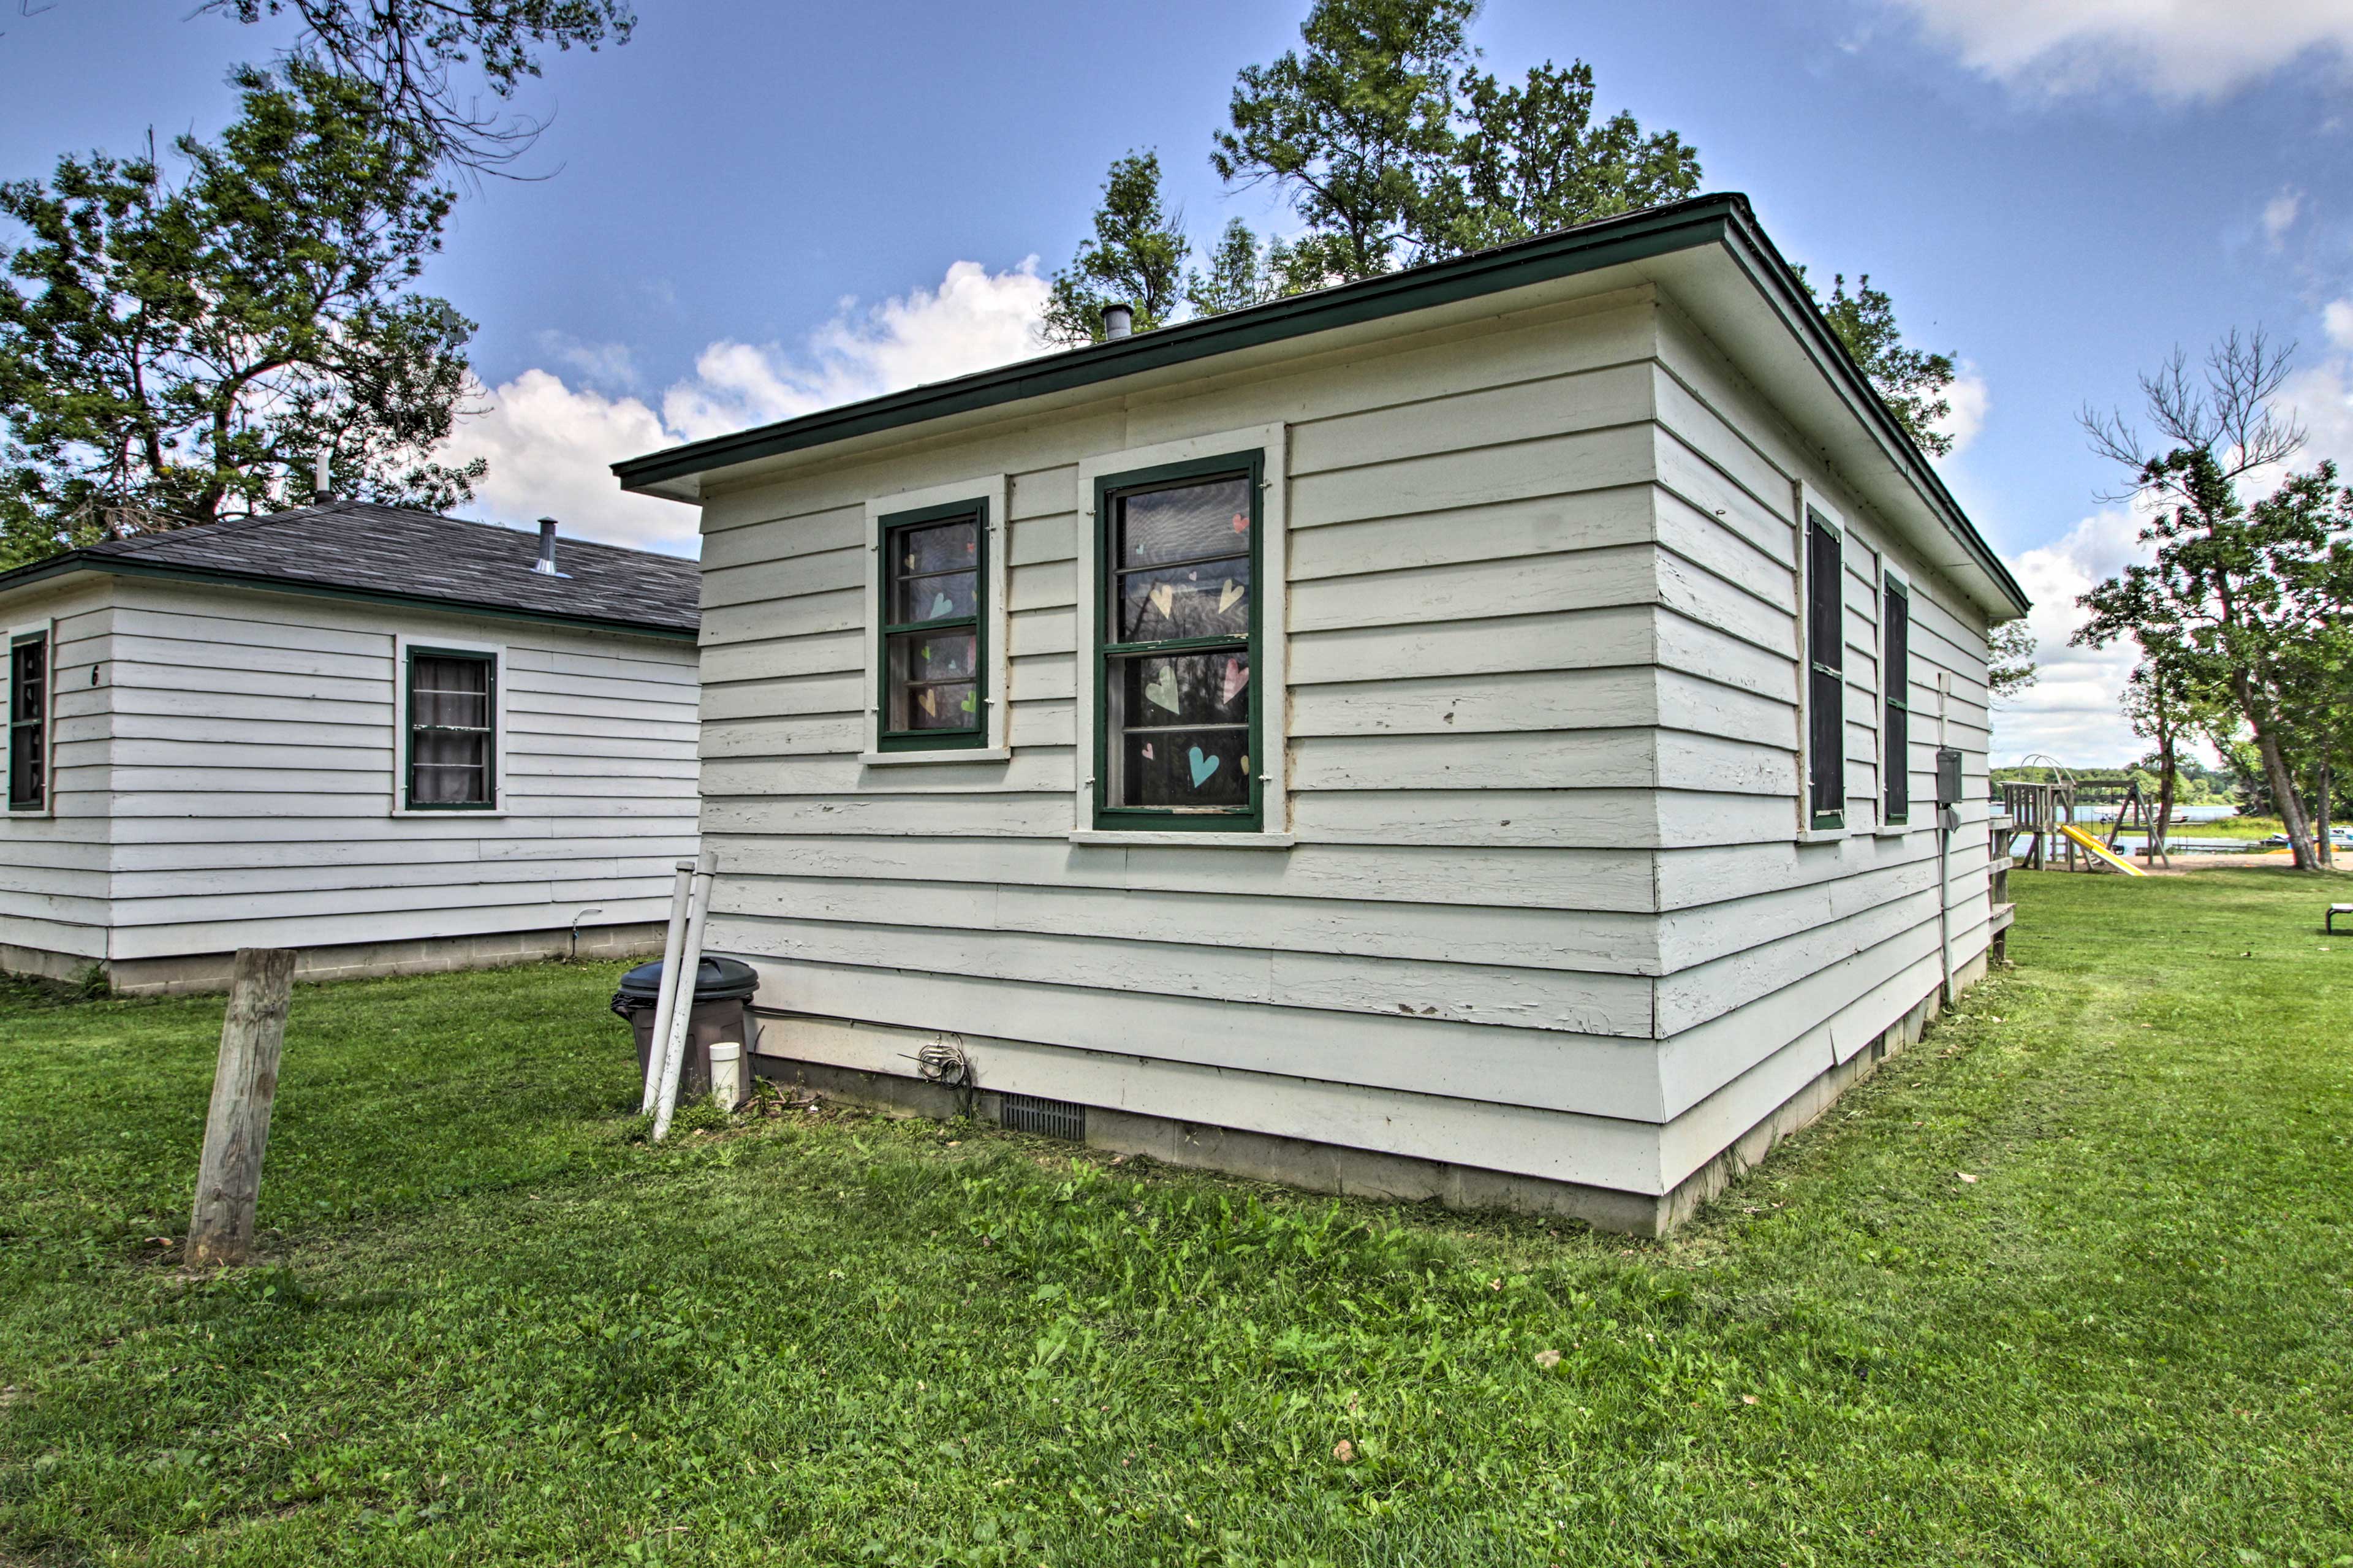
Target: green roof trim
{"points": [[1725, 219]]}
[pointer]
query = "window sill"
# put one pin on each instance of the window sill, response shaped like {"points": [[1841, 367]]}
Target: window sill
{"points": [[959, 754], [1824, 835], [1142, 836], [1893, 830], [475, 813]]}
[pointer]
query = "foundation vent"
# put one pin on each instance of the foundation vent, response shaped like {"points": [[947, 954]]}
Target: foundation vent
{"points": [[1046, 1118]]}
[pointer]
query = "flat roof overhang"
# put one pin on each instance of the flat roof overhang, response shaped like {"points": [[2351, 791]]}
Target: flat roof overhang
{"points": [[1708, 255]]}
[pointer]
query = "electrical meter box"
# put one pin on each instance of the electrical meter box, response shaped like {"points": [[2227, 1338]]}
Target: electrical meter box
{"points": [[1949, 775]]}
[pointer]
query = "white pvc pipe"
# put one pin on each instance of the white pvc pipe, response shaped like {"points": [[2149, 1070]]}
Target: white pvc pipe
{"points": [[690, 963], [681, 892], [727, 1073]]}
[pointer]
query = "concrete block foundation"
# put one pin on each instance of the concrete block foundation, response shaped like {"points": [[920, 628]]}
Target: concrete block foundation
{"points": [[1366, 1174], [181, 975]]}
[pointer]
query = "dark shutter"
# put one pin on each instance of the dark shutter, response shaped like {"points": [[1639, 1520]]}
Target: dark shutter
{"points": [[28, 713], [1826, 678], [1895, 680]]}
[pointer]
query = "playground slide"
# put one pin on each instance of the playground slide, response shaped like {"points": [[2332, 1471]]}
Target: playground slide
{"points": [[2116, 861]]}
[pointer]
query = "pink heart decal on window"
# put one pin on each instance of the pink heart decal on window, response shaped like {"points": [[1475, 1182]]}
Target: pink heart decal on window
{"points": [[1236, 677]]}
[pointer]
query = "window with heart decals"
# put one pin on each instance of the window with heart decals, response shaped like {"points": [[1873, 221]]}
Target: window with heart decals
{"points": [[1179, 630]]}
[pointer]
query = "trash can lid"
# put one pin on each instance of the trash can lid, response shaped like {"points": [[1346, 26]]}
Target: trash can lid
{"points": [[715, 980]]}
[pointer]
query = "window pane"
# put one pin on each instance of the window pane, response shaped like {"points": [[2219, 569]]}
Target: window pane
{"points": [[947, 596], [449, 770], [1209, 600], [24, 765], [1186, 523], [1183, 690], [454, 692], [942, 547], [931, 681], [25, 684], [1202, 768]]}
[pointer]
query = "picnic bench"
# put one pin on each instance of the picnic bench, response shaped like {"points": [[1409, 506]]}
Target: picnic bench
{"points": [[2329, 925]]}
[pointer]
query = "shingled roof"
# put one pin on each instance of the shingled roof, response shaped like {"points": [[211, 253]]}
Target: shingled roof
{"points": [[355, 548]]}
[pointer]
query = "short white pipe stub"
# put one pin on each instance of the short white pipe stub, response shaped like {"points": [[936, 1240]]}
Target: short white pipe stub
{"points": [[727, 1073]]}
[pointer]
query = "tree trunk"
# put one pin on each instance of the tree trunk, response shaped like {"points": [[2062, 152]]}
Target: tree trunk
{"points": [[2166, 771], [2283, 795], [2320, 812]]}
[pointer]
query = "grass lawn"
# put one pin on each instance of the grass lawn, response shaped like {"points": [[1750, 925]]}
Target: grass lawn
{"points": [[490, 1330]]}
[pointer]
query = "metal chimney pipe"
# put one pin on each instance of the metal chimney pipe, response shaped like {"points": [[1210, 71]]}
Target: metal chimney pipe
{"points": [[545, 565], [1119, 321], [319, 469]]}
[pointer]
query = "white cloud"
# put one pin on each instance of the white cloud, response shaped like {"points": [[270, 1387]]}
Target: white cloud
{"points": [[2280, 215], [2321, 396], [550, 445], [2173, 48], [2074, 710], [2338, 318], [1971, 400], [974, 320]]}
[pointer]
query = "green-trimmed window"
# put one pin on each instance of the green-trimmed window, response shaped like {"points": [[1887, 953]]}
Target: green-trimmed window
{"points": [[1177, 717], [453, 730], [934, 641], [1895, 680], [28, 723], [1825, 674]]}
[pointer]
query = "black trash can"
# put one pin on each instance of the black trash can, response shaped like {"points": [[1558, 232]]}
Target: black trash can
{"points": [[721, 986]]}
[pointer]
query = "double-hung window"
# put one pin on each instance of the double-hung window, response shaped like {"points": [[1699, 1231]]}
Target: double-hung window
{"points": [[1825, 675], [934, 643], [28, 721], [1176, 729], [1895, 681], [453, 739]]}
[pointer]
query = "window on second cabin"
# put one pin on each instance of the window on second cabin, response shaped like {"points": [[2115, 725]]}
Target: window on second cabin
{"points": [[28, 714], [452, 731], [1825, 676], [1178, 641], [934, 648], [1895, 746]]}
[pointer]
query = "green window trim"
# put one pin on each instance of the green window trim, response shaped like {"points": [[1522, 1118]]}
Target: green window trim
{"points": [[889, 528], [28, 760], [411, 729], [1895, 688], [1249, 464], [1825, 673]]}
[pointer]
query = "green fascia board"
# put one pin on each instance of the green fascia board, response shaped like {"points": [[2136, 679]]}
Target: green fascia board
{"points": [[74, 560], [1655, 232], [1725, 219]]}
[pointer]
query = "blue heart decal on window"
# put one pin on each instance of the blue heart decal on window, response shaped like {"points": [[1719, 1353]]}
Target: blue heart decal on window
{"points": [[941, 607], [1203, 766]]}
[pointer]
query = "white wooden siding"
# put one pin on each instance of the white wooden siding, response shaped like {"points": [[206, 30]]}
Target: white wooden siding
{"points": [[1543, 763], [237, 772], [52, 869]]}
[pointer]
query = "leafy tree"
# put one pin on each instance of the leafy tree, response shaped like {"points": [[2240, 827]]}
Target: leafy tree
{"points": [[1136, 258], [1909, 381], [2013, 669], [1242, 271], [1395, 149], [1359, 129], [2236, 594], [407, 52], [1532, 161], [173, 354]]}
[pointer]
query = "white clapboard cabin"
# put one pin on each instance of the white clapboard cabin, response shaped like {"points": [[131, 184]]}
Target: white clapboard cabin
{"points": [[1465, 734], [380, 736]]}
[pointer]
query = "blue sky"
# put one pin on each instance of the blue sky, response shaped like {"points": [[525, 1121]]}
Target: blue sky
{"points": [[754, 209]]}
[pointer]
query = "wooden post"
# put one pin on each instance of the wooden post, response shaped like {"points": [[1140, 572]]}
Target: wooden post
{"points": [[245, 1082]]}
